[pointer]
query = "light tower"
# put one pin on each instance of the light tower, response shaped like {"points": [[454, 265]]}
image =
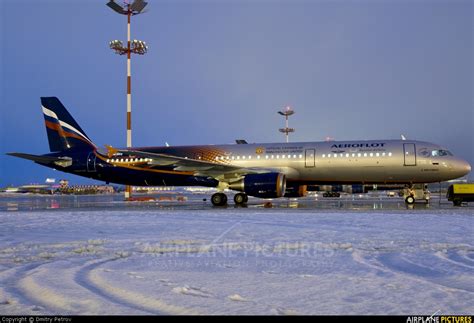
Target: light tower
{"points": [[136, 47], [288, 111]]}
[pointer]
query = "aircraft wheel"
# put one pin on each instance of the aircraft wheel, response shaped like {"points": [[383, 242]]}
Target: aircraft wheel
{"points": [[410, 200], [219, 199], [240, 198]]}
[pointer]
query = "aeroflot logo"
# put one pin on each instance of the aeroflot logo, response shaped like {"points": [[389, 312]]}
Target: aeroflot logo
{"points": [[367, 145]]}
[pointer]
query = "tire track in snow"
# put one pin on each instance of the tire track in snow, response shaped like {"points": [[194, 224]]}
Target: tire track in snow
{"points": [[398, 265], [361, 259], [49, 288], [81, 278], [50, 298], [29, 290], [11, 291], [401, 264], [90, 278], [456, 258], [55, 289]]}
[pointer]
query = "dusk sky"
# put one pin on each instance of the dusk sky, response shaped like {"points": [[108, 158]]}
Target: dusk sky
{"points": [[220, 70]]}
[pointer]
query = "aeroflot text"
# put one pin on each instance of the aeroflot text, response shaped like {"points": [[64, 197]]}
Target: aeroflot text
{"points": [[369, 145]]}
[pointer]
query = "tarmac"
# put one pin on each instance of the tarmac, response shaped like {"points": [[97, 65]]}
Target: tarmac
{"points": [[201, 201]]}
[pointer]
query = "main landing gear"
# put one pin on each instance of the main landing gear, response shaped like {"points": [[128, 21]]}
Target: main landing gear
{"points": [[220, 199], [241, 198]]}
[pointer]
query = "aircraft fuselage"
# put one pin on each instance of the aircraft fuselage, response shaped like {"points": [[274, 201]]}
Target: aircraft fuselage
{"points": [[345, 162]]}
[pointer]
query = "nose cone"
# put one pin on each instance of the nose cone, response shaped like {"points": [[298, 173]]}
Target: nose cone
{"points": [[467, 168], [462, 167]]}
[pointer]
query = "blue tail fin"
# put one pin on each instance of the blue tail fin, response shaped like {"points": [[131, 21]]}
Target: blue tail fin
{"points": [[63, 131]]}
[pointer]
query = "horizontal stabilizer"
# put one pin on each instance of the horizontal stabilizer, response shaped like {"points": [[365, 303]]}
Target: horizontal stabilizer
{"points": [[60, 161]]}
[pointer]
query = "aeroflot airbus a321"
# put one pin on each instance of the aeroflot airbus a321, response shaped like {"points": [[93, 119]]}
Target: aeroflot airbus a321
{"points": [[262, 170]]}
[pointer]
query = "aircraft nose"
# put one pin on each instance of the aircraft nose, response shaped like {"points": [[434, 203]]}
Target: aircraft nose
{"points": [[467, 167], [462, 167]]}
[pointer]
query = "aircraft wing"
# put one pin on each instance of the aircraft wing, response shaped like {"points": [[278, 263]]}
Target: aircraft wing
{"points": [[198, 167]]}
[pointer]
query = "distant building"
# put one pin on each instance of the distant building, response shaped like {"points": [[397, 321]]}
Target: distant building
{"points": [[64, 183], [84, 189], [153, 189]]}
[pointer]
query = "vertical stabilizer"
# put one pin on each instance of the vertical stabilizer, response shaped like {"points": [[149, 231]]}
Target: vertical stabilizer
{"points": [[63, 131]]}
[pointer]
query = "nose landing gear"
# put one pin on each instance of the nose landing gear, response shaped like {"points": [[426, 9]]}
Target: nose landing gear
{"points": [[409, 200], [416, 192]]}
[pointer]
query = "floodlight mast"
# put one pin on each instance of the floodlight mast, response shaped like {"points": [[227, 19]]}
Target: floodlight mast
{"points": [[288, 111], [136, 47]]}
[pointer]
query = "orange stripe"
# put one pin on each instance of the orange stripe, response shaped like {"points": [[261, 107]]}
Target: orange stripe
{"points": [[129, 120], [62, 133], [55, 126]]}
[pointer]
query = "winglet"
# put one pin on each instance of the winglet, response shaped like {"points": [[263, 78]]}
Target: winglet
{"points": [[111, 151]]}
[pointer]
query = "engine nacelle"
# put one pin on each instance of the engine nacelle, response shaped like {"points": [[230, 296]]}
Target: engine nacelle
{"points": [[269, 185], [296, 190]]}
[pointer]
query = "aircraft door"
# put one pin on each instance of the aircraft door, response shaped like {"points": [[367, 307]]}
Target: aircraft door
{"points": [[310, 155], [91, 162], [409, 153]]}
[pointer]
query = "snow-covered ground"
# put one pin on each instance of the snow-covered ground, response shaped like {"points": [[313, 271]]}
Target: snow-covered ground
{"points": [[174, 260]]}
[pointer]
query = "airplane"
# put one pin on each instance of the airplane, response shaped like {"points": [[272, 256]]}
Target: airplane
{"points": [[264, 170]]}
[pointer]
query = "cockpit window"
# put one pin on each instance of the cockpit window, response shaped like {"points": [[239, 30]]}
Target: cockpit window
{"points": [[440, 153]]}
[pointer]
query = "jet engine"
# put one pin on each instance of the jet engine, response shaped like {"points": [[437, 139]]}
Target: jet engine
{"points": [[268, 185]]}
